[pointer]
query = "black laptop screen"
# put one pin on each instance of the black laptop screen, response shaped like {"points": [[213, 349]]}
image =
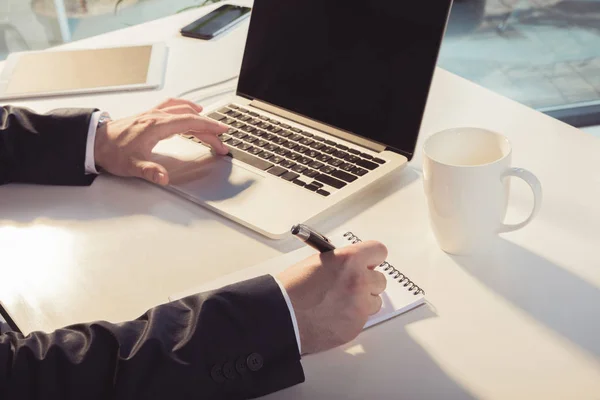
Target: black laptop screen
{"points": [[363, 66]]}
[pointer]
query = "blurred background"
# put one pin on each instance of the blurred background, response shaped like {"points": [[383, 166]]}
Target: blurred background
{"points": [[542, 53]]}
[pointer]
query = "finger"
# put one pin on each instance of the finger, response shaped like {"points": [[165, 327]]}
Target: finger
{"points": [[377, 282], [151, 171], [370, 254], [178, 102], [375, 303], [180, 109]]}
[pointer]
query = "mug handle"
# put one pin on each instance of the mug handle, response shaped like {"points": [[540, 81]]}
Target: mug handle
{"points": [[536, 188]]}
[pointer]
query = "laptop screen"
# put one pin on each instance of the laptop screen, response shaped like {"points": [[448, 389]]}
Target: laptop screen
{"points": [[363, 66]]}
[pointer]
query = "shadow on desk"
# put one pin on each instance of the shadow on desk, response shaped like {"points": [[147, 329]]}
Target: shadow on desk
{"points": [[549, 293], [384, 362]]}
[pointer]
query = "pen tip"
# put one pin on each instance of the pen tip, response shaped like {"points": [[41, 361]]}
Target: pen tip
{"points": [[295, 229]]}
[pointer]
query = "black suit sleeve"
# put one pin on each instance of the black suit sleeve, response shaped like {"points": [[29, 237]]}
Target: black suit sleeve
{"points": [[45, 149], [235, 342]]}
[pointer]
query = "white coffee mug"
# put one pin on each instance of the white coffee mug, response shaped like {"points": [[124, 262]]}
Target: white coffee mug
{"points": [[467, 181]]}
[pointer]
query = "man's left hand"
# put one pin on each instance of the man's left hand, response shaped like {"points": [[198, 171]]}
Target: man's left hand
{"points": [[123, 147]]}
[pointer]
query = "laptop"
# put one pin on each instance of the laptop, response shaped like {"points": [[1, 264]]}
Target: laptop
{"points": [[330, 99]]}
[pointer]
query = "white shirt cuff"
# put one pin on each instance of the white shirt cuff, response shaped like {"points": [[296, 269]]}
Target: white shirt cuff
{"points": [[90, 161], [292, 313]]}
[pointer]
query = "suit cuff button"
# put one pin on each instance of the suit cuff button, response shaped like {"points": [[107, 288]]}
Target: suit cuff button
{"points": [[255, 362], [216, 374]]}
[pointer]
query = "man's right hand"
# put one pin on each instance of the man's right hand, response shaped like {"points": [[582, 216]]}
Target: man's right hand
{"points": [[334, 293]]}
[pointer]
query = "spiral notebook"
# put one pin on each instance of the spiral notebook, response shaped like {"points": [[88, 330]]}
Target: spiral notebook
{"points": [[401, 295]]}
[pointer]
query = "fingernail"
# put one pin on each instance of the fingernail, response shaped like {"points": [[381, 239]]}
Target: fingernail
{"points": [[158, 177]]}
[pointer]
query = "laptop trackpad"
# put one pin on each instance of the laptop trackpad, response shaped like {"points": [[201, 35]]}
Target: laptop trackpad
{"points": [[213, 178]]}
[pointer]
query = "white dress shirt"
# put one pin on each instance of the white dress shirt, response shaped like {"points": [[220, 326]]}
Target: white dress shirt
{"points": [[90, 168]]}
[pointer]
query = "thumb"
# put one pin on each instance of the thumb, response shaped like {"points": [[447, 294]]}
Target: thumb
{"points": [[152, 172]]}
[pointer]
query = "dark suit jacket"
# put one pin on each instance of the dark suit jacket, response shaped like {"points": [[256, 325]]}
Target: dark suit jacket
{"points": [[236, 342]]}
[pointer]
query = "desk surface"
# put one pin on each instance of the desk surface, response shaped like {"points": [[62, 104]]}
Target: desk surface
{"points": [[523, 322]]}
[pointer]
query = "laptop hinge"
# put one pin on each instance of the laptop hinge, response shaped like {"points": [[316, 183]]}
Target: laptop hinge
{"points": [[369, 144]]}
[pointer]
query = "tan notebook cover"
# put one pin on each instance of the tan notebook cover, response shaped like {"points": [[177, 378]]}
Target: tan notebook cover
{"points": [[79, 69]]}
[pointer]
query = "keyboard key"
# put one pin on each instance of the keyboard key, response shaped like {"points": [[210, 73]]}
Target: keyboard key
{"points": [[264, 155], [297, 130], [367, 156], [253, 113], [304, 160], [328, 150], [224, 110], [319, 138], [310, 173], [299, 182], [277, 171], [245, 146], [284, 133], [330, 142], [282, 151], [301, 149], [263, 117], [335, 162], [379, 161], [251, 160], [251, 139], [285, 126], [354, 151], [366, 164], [254, 121], [317, 145], [280, 140], [228, 121], [340, 154], [323, 192], [233, 106], [276, 159], [307, 134], [245, 118], [344, 176], [348, 167], [238, 124], [296, 137], [323, 158], [351, 158], [272, 147], [327, 169], [307, 141], [264, 125], [272, 121], [328, 180], [341, 147], [255, 150], [224, 138], [261, 143], [290, 176], [287, 164], [312, 188], [239, 135], [268, 136], [359, 171], [248, 128], [299, 168], [234, 142], [274, 129], [317, 184], [290, 145], [259, 133], [243, 110], [294, 156], [316, 164], [216, 116]]}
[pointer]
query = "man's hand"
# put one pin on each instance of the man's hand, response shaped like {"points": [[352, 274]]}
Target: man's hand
{"points": [[123, 147], [334, 293]]}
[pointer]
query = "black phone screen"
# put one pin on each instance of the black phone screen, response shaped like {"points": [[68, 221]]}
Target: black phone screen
{"points": [[216, 21]]}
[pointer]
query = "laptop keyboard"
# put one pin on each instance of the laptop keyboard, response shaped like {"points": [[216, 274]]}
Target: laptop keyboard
{"points": [[315, 163]]}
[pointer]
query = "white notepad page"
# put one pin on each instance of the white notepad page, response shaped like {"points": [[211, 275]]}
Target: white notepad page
{"points": [[400, 296]]}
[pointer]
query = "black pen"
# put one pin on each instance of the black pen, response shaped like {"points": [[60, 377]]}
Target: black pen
{"points": [[312, 238]]}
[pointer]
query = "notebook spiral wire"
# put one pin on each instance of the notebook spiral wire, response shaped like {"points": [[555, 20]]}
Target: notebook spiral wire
{"points": [[389, 269]]}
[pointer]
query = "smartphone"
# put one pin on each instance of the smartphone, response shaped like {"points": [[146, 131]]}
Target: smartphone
{"points": [[216, 22]]}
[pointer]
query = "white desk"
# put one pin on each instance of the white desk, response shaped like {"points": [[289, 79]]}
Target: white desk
{"points": [[523, 323]]}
